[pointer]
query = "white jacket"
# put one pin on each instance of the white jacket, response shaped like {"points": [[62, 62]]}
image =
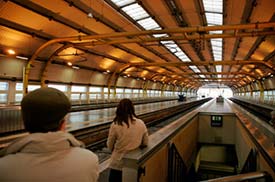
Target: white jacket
{"points": [[53, 156], [122, 139]]}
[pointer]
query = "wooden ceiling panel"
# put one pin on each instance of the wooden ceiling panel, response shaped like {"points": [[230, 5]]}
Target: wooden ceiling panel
{"points": [[20, 42], [161, 13], [228, 47], [263, 12], [234, 11], [245, 46], [190, 12]]}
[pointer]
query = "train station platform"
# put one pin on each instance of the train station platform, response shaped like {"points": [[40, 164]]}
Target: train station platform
{"points": [[202, 136]]}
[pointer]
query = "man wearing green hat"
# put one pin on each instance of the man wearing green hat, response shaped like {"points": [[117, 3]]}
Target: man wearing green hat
{"points": [[48, 153]]}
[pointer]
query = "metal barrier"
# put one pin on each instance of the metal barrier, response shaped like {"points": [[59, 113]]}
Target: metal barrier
{"points": [[250, 164], [10, 120], [177, 170]]}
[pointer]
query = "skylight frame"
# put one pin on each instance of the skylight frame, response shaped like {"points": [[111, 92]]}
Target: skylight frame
{"points": [[214, 16], [148, 23], [135, 11], [121, 3]]}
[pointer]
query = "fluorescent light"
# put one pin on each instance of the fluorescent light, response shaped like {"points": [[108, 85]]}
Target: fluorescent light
{"points": [[75, 67], [22, 57]]}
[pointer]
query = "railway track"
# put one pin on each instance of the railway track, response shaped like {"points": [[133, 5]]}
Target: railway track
{"points": [[261, 112], [94, 136]]}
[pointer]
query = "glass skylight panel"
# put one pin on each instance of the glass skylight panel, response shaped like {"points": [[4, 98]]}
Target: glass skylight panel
{"points": [[216, 42], [148, 24], [214, 18], [195, 69], [165, 42], [160, 35], [215, 32], [135, 11], [219, 68], [120, 3], [213, 5]]}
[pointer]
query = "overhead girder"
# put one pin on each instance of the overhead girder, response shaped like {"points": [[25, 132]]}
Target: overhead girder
{"points": [[44, 71], [114, 76], [206, 63], [176, 38], [199, 32], [222, 73]]}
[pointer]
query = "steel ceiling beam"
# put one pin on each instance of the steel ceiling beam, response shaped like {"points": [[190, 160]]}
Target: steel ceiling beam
{"points": [[206, 63], [93, 40]]}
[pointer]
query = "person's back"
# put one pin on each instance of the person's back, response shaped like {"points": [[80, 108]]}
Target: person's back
{"points": [[126, 133], [47, 154], [126, 139]]}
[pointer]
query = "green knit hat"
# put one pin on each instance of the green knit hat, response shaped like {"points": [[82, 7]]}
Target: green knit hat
{"points": [[43, 109]]}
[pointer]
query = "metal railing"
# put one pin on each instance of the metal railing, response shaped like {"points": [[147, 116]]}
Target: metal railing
{"points": [[177, 170], [250, 164]]}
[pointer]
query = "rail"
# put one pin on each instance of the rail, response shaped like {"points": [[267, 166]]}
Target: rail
{"points": [[243, 177]]}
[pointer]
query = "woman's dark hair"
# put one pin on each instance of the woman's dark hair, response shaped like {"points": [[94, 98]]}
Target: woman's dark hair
{"points": [[124, 111]]}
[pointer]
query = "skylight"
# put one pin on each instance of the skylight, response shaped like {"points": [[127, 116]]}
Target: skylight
{"points": [[195, 69], [149, 24], [214, 16], [137, 13], [120, 3]]}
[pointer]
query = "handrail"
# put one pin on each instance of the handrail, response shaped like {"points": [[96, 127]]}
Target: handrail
{"points": [[243, 177], [262, 140]]}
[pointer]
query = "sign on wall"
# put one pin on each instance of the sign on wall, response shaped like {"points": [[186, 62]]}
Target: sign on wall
{"points": [[216, 120]]}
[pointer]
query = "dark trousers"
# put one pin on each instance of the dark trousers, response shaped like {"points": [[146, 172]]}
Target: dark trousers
{"points": [[115, 175]]}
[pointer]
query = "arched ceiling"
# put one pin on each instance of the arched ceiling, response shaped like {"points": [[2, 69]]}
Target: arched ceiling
{"points": [[194, 42]]}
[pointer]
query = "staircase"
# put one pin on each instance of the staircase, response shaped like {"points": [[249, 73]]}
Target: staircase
{"points": [[215, 161]]}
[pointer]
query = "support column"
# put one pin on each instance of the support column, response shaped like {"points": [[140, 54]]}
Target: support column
{"points": [[260, 85], [11, 92]]}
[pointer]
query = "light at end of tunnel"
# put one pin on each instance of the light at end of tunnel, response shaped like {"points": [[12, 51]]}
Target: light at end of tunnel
{"points": [[11, 52], [69, 63]]}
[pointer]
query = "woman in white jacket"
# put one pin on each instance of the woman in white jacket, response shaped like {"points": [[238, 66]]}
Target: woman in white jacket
{"points": [[126, 133]]}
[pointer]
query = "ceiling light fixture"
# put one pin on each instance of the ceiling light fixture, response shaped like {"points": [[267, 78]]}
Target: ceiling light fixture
{"points": [[90, 14], [11, 52]]}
